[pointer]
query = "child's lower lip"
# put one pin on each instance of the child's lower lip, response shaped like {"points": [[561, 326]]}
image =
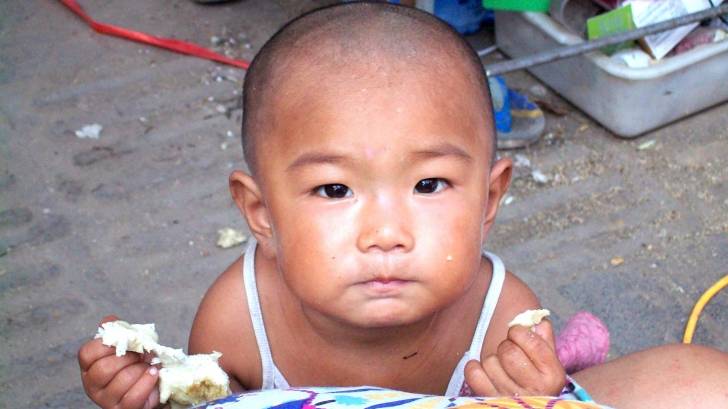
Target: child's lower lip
{"points": [[385, 285]]}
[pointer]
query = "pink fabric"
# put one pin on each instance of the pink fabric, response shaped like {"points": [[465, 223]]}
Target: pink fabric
{"points": [[583, 342]]}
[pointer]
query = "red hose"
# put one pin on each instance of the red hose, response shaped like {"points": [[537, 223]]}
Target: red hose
{"points": [[171, 44]]}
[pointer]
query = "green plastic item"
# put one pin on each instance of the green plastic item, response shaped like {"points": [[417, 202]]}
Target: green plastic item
{"points": [[518, 5], [616, 21]]}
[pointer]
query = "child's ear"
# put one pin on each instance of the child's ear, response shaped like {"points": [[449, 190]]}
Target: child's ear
{"points": [[248, 197], [500, 179]]}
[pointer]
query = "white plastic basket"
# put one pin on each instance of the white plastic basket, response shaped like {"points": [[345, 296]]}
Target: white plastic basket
{"points": [[627, 101]]}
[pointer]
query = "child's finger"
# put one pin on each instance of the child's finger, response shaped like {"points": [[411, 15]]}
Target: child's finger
{"points": [[546, 331], [537, 348], [504, 385], [94, 350], [91, 352], [478, 380], [112, 393], [144, 393], [125, 380], [518, 365], [153, 399], [103, 371]]}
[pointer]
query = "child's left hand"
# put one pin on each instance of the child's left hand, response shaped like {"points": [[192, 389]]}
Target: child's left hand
{"points": [[525, 364]]}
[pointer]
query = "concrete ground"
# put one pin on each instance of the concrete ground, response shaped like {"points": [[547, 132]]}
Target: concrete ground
{"points": [[127, 223]]}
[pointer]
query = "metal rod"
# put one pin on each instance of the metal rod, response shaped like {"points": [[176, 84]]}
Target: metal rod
{"points": [[485, 51], [576, 49]]}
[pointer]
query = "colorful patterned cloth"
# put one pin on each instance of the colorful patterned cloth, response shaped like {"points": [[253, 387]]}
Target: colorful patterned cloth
{"points": [[367, 397]]}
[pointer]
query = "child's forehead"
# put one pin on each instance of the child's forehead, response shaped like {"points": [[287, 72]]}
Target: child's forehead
{"points": [[379, 80], [352, 108], [311, 77]]}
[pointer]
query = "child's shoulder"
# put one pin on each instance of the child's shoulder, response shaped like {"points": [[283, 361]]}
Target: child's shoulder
{"points": [[515, 298], [223, 324]]}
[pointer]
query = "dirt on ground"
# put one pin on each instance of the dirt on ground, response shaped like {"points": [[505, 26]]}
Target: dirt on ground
{"points": [[127, 223]]}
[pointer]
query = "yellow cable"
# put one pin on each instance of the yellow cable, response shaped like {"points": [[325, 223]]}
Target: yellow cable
{"points": [[707, 295]]}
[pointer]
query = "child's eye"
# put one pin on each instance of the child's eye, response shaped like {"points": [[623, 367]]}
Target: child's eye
{"points": [[333, 191], [431, 185]]}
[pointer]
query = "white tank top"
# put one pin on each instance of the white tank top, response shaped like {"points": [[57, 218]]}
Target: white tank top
{"points": [[273, 378]]}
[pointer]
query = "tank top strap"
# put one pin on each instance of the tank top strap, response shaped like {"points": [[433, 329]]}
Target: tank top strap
{"points": [[456, 386], [256, 316], [489, 304]]}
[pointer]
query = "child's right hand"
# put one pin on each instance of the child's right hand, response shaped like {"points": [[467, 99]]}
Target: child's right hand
{"points": [[123, 382]]}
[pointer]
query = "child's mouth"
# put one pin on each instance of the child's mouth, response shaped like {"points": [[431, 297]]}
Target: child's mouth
{"points": [[386, 286]]}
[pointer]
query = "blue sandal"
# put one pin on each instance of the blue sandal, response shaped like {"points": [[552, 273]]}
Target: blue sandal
{"points": [[518, 121]]}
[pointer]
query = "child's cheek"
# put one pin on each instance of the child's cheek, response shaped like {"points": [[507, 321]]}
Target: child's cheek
{"points": [[465, 239]]}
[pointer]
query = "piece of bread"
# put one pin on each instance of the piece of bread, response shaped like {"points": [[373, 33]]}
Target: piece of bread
{"points": [[183, 379], [128, 337], [529, 318]]}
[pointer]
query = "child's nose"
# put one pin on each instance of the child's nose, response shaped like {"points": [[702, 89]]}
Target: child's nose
{"points": [[385, 227]]}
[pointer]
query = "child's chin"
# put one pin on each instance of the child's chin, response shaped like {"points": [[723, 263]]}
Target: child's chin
{"points": [[388, 319], [386, 323]]}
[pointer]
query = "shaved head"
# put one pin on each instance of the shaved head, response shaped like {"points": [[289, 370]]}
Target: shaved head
{"points": [[353, 42]]}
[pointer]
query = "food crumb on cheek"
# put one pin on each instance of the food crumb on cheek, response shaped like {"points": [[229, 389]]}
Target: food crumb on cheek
{"points": [[448, 258]]}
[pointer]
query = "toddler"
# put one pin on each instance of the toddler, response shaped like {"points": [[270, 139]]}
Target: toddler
{"points": [[373, 185]]}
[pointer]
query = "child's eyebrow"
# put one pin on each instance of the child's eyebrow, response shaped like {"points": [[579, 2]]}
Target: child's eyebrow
{"points": [[316, 158], [440, 150], [432, 152]]}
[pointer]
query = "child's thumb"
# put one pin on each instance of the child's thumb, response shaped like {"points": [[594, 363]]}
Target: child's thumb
{"points": [[153, 400]]}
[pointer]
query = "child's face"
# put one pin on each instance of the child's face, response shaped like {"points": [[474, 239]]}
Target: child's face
{"points": [[376, 191]]}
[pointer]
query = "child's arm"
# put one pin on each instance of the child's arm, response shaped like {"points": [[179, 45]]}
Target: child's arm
{"points": [[517, 360], [223, 324], [127, 381]]}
